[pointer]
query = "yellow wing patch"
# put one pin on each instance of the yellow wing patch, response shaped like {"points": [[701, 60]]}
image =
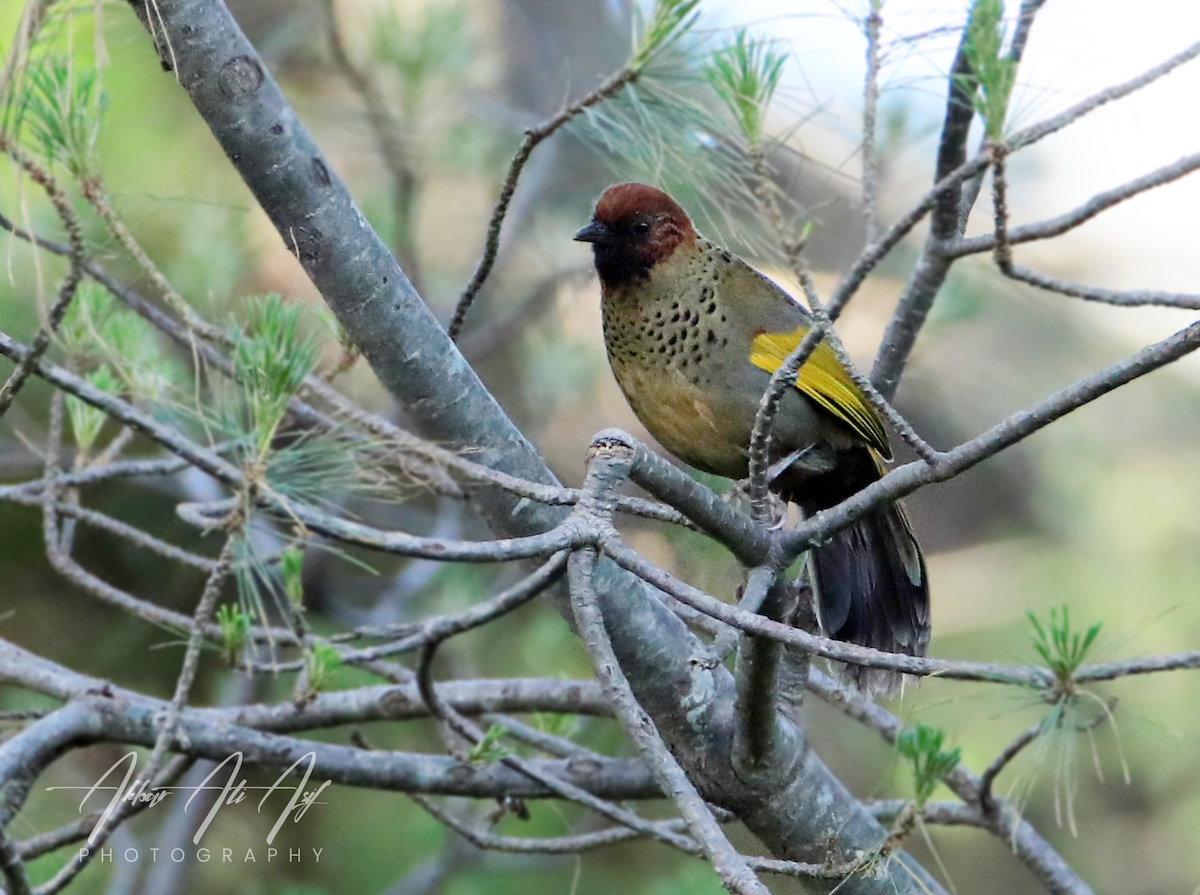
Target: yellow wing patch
{"points": [[823, 379]]}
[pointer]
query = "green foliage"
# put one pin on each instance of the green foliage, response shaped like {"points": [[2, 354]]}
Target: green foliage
{"points": [[318, 467], [262, 578], [666, 131], [291, 570], [86, 420], [993, 71], [99, 330], [235, 629], [79, 332], [922, 746], [59, 111], [745, 74], [669, 21], [320, 663], [255, 578], [489, 750], [1060, 648], [437, 47], [272, 357], [556, 724]]}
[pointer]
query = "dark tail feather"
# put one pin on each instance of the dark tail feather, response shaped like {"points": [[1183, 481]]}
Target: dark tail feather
{"points": [[869, 578]]}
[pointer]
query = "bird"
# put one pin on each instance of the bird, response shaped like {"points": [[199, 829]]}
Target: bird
{"points": [[693, 334]]}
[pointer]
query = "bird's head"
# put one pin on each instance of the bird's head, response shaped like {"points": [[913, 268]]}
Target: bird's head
{"points": [[633, 228]]}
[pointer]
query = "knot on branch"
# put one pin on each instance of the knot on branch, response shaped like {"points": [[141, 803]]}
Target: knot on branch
{"points": [[609, 461], [615, 445]]}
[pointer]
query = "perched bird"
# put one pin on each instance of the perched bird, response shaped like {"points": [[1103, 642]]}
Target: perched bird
{"points": [[693, 335]]}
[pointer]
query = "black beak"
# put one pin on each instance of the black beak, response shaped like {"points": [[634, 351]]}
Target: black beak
{"points": [[595, 232]]}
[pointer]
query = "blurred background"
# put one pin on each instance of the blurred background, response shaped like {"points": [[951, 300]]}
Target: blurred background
{"points": [[1097, 513]]}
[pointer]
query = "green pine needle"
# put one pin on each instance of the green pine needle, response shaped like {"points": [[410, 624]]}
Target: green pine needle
{"points": [[669, 21], [745, 74], [235, 630], [1062, 649], [59, 113], [272, 357], [291, 570], [556, 724], [86, 420], [90, 310], [420, 53], [99, 330], [489, 749], [994, 73], [922, 746], [320, 663]]}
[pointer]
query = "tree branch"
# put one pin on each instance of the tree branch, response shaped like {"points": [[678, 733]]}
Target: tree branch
{"points": [[96, 718], [608, 466], [66, 291], [612, 85], [1064, 223]]}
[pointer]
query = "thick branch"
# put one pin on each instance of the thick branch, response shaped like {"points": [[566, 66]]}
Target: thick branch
{"points": [[355, 272], [100, 719], [415, 360]]}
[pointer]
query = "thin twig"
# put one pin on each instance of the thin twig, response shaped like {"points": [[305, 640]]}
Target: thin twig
{"points": [[1001, 761], [524, 845], [560, 845], [613, 85], [1051, 125], [767, 192], [550, 744], [1003, 249], [870, 256], [97, 196], [92, 475], [760, 435], [753, 623], [872, 26], [1109, 671], [1136, 298], [12, 865], [1094, 206], [436, 629], [471, 732], [66, 291], [882, 405], [906, 479], [112, 526], [735, 873]]}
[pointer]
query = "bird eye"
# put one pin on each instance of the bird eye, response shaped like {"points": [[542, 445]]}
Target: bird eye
{"points": [[641, 228]]}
